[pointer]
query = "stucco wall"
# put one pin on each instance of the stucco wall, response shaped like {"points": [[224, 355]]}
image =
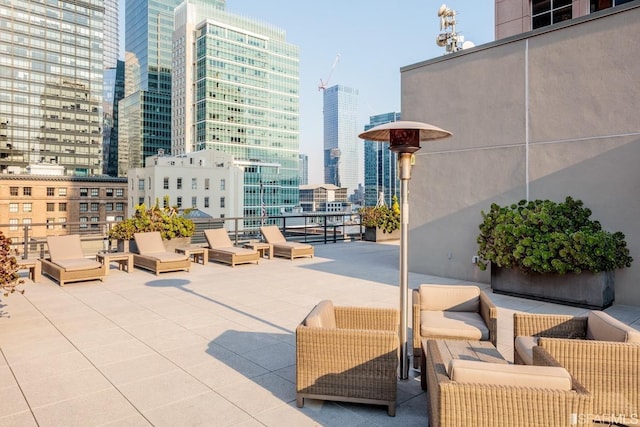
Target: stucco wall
{"points": [[548, 115]]}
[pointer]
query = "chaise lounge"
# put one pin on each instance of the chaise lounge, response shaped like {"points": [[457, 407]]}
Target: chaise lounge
{"points": [[283, 248], [66, 262], [221, 249], [152, 254]]}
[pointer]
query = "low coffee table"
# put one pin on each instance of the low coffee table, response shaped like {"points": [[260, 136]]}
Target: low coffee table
{"points": [[264, 249], [124, 260], [33, 265], [459, 349], [195, 252]]}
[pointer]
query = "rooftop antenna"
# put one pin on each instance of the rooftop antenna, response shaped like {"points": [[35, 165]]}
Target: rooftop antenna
{"points": [[448, 37]]}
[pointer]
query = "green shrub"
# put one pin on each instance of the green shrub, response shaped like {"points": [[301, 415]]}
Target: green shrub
{"points": [[165, 220], [9, 277], [547, 237], [383, 217]]}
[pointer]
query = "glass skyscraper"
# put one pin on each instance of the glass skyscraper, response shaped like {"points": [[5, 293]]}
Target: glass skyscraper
{"points": [[242, 97], [381, 181], [343, 151], [51, 65]]}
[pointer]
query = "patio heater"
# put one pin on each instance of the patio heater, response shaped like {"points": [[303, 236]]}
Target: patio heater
{"points": [[404, 139]]}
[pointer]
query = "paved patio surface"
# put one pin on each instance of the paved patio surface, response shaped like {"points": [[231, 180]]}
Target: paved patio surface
{"points": [[211, 347]]}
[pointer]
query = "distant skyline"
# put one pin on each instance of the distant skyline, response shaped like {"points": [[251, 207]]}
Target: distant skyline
{"points": [[374, 40]]}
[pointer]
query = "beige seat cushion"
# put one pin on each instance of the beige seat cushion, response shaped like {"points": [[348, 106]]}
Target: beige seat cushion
{"points": [[477, 372], [236, 250], [322, 316], [149, 242], [217, 238], [449, 324], [166, 256], [64, 247], [603, 327], [449, 298], [78, 264], [524, 347]]}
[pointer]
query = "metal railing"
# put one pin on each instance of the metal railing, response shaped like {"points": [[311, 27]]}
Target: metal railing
{"points": [[29, 240]]}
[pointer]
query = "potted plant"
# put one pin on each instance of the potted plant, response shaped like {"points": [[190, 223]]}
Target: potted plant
{"points": [[381, 222], [9, 277], [551, 251], [172, 227]]}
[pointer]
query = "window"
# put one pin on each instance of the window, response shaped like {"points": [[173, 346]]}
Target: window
{"points": [[83, 221], [51, 191], [165, 202], [165, 183], [108, 192], [95, 207], [13, 191], [206, 202], [141, 200], [141, 184], [26, 191], [206, 183], [62, 207], [94, 221], [119, 192], [26, 221], [13, 207], [222, 202], [194, 202], [119, 218], [84, 207], [223, 184], [62, 191], [62, 222], [179, 201], [13, 224], [547, 12], [119, 206], [84, 192], [179, 183], [27, 207], [194, 183], [50, 222], [51, 207], [95, 192], [597, 5], [108, 207]]}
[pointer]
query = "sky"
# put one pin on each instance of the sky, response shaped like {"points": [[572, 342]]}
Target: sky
{"points": [[374, 40]]}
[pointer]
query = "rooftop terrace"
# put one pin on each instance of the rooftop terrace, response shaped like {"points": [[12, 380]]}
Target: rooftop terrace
{"points": [[212, 347]]}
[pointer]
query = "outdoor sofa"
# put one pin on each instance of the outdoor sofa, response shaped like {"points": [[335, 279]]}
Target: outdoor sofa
{"points": [[66, 262]]}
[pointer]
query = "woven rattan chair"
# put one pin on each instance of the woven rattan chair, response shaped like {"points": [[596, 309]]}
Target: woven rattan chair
{"points": [[154, 256], [66, 262], [462, 312], [600, 351], [454, 403], [348, 354], [221, 249], [283, 248]]}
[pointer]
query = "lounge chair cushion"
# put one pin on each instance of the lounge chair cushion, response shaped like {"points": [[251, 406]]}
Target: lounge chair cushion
{"points": [[322, 316], [477, 372], [166, 256], [447, 324], [293, 245], [149, 243], [449, 298], [272, 234], [218, 238], [524, 347], [77, 264], [64, 247], [236, 250], [603, 327]]}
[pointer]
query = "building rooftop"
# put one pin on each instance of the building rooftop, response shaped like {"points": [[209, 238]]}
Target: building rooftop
{"points": [[213, 346]]}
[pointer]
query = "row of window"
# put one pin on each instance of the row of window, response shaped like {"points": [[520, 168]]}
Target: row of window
{"points": [[62, 191], [194, 202], [194, 183], [28, 207]]}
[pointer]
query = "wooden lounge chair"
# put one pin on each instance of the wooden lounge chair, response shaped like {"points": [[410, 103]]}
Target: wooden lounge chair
{"points": [[221, 249], [281, 247], [66, 262], [154, 256]]}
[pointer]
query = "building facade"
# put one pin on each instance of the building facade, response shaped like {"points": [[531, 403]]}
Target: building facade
{"points": [[54, 205], [381, 181], [304, 169], [207, 180], [324, 198], [555, 116], [236, 90], [343, 151], [51, 62]]}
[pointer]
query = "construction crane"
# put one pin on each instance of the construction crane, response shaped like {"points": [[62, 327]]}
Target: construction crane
{"points": [[323, 84]]}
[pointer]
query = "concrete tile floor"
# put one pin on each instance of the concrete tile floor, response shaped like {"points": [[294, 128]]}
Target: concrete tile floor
{"points": [[211, 347]]}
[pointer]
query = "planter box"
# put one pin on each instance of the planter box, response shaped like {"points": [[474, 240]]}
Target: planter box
{"points": [[372, 234], [586, 290]]}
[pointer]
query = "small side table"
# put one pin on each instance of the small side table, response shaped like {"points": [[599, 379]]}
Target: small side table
{"points": [[33, 265], [264, 249], [195, 252], [124, 260]]}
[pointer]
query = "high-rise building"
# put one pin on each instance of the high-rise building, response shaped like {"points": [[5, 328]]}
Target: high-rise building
{"points": [[343, 151], [51, 92], [380, 166], [235, 89], [304, 169]]}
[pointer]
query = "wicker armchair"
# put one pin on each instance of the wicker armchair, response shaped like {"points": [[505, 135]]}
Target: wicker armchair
{"points": [[452, 403], [348, 354], [601, 352], [462, 312]]}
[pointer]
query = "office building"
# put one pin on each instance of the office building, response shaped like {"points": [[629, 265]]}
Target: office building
{"points": [[343, 151], [235, 89], [113, 93], [51, 62], [304, 169], [324, 198], [381, 181]]}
